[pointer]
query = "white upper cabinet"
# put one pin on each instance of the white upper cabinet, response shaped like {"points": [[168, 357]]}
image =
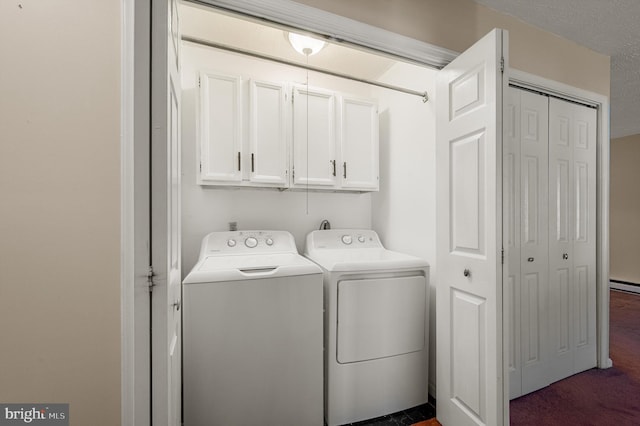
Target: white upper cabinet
{"points": [[220, 128], [334, 149], [314, 138], [359, 143], [268, 134], [252, 134]]}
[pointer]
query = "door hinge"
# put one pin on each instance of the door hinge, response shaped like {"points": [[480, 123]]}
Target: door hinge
{"points": [[198, 81], [502, 64], [502, 255], [150, 275]]}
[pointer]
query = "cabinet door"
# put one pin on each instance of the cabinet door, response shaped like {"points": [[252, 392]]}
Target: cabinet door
{"points": [[220, 128], [359, 144], [268, 138], [314, 142]]}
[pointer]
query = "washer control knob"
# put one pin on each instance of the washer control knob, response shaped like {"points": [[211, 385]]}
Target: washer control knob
{"points": [[269, 242], [361, 238], [346, 239], [231, 243], [251, 242]]}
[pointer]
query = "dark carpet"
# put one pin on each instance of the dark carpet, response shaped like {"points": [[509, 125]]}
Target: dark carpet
{"points": [[595, 397]]}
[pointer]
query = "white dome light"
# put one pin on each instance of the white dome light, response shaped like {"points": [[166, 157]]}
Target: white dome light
{"points": [[305, 45]]}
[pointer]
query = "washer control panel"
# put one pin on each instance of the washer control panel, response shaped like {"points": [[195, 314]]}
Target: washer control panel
{"points": [[343, 239], [245, 242]]}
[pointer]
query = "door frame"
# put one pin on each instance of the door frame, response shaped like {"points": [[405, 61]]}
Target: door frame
{"points": [[135, 116]]}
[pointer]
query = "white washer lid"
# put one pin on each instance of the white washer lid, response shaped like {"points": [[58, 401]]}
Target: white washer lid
{"points": [[372, 259], [248, 267]]}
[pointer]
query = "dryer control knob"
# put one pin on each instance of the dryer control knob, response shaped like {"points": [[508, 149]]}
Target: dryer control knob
{"points": [[251, 242], [361, 238], [346, 239], [269, 242], [231, 243]]}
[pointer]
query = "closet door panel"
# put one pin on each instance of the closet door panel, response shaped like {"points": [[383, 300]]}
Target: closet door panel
{"points": [[561, 288], [584, 244], [534, 143], [512, 200], [572, 232]]}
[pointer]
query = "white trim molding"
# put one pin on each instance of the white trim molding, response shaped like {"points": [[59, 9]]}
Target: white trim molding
{"points": [[127, 268], [337, 28]]}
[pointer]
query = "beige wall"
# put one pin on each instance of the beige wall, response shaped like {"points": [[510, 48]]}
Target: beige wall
{"points": [[60, 206], [457, 24], [625, 209]]}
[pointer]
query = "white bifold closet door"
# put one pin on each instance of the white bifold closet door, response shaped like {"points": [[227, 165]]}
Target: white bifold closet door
{"points": [[572, 238], [550, 193], [527, 161]]}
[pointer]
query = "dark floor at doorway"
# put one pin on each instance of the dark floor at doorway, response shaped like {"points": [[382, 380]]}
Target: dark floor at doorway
{"points": [[402, 418]]}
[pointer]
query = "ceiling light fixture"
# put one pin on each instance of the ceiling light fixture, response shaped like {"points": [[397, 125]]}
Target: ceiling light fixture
{"points": [[305, 45]]}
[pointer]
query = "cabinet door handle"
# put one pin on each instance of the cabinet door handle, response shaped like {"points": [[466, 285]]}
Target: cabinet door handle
{"points": [[334, 166], [565, 256], [238, 161], [466, 273], [344, 171], [530, 259], [252, 165]]}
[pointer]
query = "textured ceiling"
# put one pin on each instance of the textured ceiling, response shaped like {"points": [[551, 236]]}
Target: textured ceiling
{"points": [[611, 27]]}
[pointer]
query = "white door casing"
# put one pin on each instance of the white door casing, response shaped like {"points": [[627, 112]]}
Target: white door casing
{"points": [[165, 215], [470, 373]]}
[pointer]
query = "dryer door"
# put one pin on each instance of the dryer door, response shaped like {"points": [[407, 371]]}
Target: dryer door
{"points": [[380, 317]]}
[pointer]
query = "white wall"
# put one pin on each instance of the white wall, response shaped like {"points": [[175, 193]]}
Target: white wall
{"points": [[207, 209], [404, 212]]}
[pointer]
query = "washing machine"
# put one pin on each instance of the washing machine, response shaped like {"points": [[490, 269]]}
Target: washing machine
{"points": [[252, 333], [375, 325]]}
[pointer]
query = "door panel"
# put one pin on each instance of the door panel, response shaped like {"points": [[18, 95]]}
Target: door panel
{"points": [[512, 200], [165, 215], [469, 236], [268, 136], [314, 141], [572, 248], [534, 149]]}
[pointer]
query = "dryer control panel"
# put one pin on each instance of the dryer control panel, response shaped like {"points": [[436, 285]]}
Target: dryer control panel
{"points": [[344, 239], [247, 242]]}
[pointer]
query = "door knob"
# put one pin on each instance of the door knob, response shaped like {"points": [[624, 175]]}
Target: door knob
{"points": [[467, 273], [530, 259], [565, 256]]}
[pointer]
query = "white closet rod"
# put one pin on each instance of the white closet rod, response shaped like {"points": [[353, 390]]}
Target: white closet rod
{"points": [[423, 95]]}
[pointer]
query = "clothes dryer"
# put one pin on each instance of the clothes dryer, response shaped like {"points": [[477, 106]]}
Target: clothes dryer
{"points": [[375, 325], [252, 333]]}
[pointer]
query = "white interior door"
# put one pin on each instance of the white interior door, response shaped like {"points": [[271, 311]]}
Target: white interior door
{"points": [[572, 238], [470, 374], [531, 261], [511, 166], [165, 214]]}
